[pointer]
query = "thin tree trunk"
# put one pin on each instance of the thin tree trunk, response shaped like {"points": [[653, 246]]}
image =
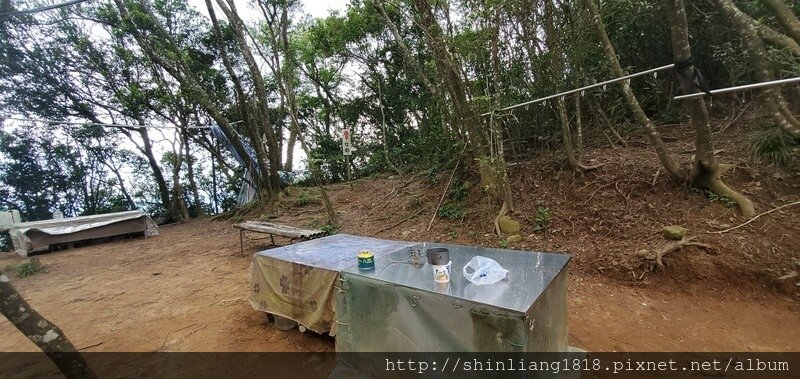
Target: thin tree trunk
{"points": [[286, 89], [557, 66], [705, 172], [383, 133], [177, 67], [466, 115], [652, 133], [771, 96], [163, 189], [603, 130], [198, 206], [278, 34], [578, 128], [785, 16], [497, 128], [289, 164], [269, 157], [567, 135], [410, 63], [492, 169], [214, 181], [601, 113], [114, 169], [42, 332], [177, 189]]}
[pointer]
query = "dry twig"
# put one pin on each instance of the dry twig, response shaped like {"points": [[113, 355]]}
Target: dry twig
{"points": [[447, 187], [595, 191], [754, 218], [399, 222]]}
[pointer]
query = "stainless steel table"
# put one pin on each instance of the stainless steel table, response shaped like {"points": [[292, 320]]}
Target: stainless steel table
{"points": [[399, 307]]}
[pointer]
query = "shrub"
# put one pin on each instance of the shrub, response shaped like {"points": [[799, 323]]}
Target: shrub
{"points": [[542, 219], [504, 243], [720, 199]]}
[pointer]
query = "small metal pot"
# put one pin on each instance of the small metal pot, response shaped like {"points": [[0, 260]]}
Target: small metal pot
{"points": [[438, 256]]}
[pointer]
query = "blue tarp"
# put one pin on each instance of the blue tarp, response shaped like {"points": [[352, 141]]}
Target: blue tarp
{"points": [[247, 192]]}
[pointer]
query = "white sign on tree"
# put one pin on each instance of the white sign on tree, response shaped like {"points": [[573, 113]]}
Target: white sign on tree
{"points": [[347, 147]]}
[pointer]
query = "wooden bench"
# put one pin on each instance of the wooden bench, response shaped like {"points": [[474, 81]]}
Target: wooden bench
{"points": [[275, 230]]}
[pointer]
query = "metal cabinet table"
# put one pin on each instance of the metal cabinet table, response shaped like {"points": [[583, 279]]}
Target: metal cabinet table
{"points": [[398, 306]]}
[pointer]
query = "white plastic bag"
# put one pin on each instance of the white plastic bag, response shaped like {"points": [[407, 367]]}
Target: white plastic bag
{"points": [[481, 270]]}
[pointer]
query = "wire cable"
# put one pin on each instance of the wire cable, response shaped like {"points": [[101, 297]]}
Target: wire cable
{"points": [[42, 9]]}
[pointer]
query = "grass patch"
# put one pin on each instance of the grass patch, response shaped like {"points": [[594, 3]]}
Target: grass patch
{"points": [[774, 146], [329, 229], [306, 198], [453, 211], [26, 268]]}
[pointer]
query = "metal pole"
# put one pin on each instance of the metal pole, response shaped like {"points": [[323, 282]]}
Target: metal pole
{"points": [[349, 172], [621, 78], [740, 88]]}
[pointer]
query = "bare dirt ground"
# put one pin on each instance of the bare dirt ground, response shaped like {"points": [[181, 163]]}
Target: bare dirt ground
{"points": [[186, 289]]}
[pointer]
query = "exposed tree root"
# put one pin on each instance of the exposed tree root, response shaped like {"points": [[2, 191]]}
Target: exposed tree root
{"points": [[656, 257], [720, 188], [585, 168], [503, 212]]}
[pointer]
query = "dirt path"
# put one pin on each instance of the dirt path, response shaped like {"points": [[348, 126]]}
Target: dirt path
{"points": [[186, 290]]}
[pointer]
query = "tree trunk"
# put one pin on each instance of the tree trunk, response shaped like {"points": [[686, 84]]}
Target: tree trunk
{"points": [[567, 135], [603, 130], [114, 169], [42, 332], [198, 207], [270, 157], [177, 189], [289, 164], [383, 132], [497, 128], [578, 128], [163, 189], [785, 16], [286, 88], [775, 37], [411, 64], [771, 96], [652, 133], [598, 111], [178, 68], [557, 67], [492, 169], [214, 181], [705, 172]]}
